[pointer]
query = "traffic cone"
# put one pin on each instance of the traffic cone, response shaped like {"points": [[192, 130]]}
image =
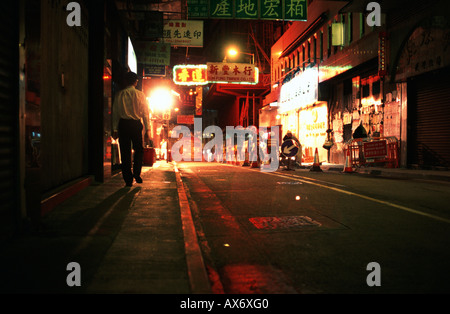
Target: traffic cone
{"points": [[246, 161], [255, 163], [348, 163], [316, 164]]}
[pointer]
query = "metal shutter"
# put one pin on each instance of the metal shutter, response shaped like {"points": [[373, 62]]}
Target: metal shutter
{"points": [[430, 124]]}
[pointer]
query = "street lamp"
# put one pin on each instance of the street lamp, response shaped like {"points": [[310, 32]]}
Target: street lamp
{"points": [[232, 52], [160, 99]]}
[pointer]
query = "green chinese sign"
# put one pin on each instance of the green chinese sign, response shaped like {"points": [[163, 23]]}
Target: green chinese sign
{"points": [[271, 9], [198, 8], [220, 9], [291, 10], [246, 9]]}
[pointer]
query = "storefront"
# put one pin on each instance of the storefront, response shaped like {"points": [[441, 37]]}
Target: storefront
{"points": [[302, 114], [356, 98]]}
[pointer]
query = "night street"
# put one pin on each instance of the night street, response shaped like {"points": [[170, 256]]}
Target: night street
{"points": [[240, 231], [225, 154], [403, 225]]}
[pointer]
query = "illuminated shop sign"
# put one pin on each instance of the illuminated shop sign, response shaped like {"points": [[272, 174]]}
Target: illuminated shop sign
{"points": [[299, 92], [132, 62], [313, 129], [232, 73], [220, 72], [327, 72], [190, 74]]}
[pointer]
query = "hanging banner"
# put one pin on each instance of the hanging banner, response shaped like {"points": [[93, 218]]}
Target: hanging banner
{"points": [[288, 10], [183, 33], [238, 73]]}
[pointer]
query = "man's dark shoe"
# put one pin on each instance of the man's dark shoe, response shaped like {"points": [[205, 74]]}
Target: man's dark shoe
{"points": [[129, 184], [138, 179]]}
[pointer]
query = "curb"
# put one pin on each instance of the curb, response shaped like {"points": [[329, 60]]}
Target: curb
{"points": [[395, 174]]}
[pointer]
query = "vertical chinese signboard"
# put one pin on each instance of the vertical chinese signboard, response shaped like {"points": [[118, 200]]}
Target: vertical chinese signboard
{"points": [[382, 70], [199, 100], [291, 10]]}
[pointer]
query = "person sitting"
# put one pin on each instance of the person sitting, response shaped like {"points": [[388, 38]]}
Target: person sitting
{"points": [[360, 132]]}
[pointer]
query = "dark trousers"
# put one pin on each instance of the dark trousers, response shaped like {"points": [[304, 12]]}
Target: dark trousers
{"points": [[130, 132]]}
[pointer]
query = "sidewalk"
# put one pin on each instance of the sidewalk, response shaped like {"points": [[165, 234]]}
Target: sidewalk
{"points": [[395, 173], [126, 240]]}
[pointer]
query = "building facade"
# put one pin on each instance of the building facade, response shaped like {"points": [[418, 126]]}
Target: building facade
{"points": [[58, 83], [339, 70]]}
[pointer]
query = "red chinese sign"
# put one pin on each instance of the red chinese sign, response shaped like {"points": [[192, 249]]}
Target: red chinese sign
{"points": [[240, 73], [185, 119], [375, 149], [190, 74]]}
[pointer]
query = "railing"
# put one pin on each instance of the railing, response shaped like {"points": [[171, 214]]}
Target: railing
{"points": [[374, 150]]}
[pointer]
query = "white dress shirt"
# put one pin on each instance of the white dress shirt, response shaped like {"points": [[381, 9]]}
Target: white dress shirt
{"points": [[130, 103]]}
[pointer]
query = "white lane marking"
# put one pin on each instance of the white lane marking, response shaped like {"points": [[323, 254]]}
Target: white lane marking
{"points": [[414, 211]]}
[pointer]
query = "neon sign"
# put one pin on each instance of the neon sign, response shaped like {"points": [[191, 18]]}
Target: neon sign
{"points": [[222, 72], [190, 74], [232, 73]]}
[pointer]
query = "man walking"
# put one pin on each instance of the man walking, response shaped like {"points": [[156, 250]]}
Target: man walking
{"points": [[129, 108]]}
